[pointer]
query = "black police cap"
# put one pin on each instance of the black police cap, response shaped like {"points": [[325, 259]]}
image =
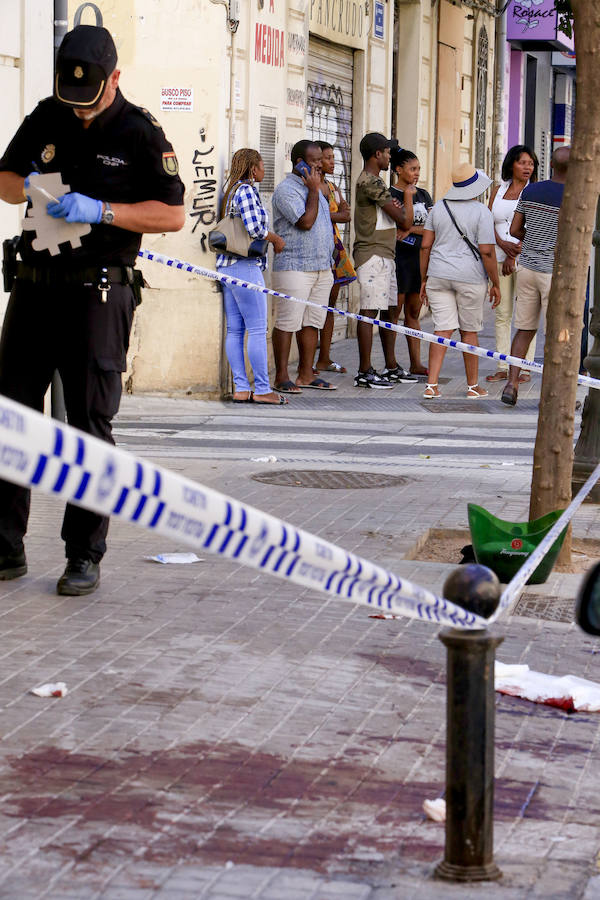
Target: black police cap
{"points": [[85, 59]]}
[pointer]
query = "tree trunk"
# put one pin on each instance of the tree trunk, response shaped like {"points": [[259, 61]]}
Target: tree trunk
{"points": [[553, 455]]}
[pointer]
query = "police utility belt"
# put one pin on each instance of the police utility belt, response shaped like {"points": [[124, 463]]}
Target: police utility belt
{"points": [[100, 277]]}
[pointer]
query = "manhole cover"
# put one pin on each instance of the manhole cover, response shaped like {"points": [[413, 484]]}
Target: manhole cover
{"points": [[329, 480], [454, 406], [553, 609]]}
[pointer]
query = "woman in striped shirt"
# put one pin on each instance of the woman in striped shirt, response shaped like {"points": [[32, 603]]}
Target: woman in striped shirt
{"points": [[245, 309]]}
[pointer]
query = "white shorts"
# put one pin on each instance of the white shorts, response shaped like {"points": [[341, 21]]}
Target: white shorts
{"points": [[456, 304], [315, 286], [377, 282]]}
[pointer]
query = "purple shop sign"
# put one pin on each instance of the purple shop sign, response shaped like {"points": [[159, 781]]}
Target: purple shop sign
{"points": [[535, 22]]}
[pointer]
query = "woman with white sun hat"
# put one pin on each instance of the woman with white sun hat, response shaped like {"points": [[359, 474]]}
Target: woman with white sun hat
{"points": [[458, 256]]}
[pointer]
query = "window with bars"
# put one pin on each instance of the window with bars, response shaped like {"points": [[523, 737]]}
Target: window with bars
{"points": [[481, 98], [267, 142]]}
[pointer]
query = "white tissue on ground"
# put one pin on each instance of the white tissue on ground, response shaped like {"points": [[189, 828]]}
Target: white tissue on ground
{"points": [[435, 809], [56, 689], [565, 692], [178, 558]]}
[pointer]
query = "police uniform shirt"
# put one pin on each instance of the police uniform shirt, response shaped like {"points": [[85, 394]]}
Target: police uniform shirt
{"points": [[123, 156]]}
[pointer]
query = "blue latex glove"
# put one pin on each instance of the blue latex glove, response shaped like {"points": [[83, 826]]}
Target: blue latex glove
{"points": [[76, 208], [27, 183]]}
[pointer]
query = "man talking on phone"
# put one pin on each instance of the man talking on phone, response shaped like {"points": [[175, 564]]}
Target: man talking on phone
{"points": [[302, 269]]}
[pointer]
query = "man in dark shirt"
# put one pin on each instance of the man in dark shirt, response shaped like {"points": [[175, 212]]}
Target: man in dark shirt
{"points": [[535, 222], [72, 302]]}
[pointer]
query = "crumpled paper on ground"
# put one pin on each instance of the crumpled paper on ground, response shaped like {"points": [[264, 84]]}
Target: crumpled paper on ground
{"points": [[179, 558], [565, 692], [56, 689], [435, 809]]}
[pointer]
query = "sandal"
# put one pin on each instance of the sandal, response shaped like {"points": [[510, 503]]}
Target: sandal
{"points": [[248, 399], [524, 376], [335, 367], [509, 395], [281, 401], [287, 387], [500, 375], [431, 392], [474, 392]]}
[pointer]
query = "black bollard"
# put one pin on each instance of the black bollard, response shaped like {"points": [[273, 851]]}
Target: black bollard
{"points": [[469, 849]]}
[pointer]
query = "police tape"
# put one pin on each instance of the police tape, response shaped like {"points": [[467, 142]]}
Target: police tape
{"points": [[40, 453], [515, 586], [530, 364]]}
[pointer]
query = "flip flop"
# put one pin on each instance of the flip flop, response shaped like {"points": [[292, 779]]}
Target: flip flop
{"points": [[248, 400], [317, 385], [281, 402], [287, 387], [335, 367]]}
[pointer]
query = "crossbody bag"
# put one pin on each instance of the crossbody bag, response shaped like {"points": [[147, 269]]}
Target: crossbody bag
{"points": [[472, 247]]}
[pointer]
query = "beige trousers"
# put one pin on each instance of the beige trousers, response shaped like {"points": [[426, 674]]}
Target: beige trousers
{"points": [[504, 314]]}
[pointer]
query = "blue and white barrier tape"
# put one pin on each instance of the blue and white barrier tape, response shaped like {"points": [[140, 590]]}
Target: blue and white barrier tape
{"points": [[402, 329], [514, 588], [38, 452]]}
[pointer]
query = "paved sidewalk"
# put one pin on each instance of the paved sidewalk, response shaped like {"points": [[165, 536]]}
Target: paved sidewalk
{"points": [[228, 735]]}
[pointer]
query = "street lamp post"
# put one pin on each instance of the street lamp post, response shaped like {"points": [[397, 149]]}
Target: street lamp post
{"points": [[587, 449]]}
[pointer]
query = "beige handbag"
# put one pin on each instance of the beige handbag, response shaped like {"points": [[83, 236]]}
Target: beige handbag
{"points": [[230, 236]]}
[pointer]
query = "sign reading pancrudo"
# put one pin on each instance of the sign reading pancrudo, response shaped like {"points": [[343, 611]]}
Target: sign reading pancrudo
{"points": [[536, 22], [340, 21], [180, 99]]}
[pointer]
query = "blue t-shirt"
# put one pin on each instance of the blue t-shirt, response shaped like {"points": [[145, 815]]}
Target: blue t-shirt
{"points": [[540, 205], [304, 251]]}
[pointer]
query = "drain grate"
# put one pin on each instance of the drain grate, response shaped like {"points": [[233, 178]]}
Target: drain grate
{"points": [[330, 480], [552, 609]]}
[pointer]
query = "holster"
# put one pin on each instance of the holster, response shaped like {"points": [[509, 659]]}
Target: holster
{"points": [[9, 262], [137, 282]]}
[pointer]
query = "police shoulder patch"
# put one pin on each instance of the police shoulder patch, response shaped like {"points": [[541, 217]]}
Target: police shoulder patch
{"points": [[170, 164], [148, 115]]}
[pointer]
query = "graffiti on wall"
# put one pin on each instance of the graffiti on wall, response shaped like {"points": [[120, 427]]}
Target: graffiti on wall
{"points": [[328, 119], [204, 203]]}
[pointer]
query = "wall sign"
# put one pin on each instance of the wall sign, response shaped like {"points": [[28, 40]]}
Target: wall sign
{"points": [[378, 20], [535, 22], [177, 99], [341, 21]]}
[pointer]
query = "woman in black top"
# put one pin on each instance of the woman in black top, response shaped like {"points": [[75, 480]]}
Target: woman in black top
{"points": [[407, 168]]}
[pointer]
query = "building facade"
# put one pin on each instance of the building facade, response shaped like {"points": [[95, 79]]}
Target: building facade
{"points": [[224, 74]]}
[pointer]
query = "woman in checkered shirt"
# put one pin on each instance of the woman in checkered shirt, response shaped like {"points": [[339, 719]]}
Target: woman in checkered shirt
{"points": [[245, 309]]}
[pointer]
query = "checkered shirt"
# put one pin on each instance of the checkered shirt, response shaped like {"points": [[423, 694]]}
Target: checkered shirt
{"points": [[246, 203]]}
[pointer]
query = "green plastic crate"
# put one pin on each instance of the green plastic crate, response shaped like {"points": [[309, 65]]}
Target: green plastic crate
{"points": [[504, 546]]}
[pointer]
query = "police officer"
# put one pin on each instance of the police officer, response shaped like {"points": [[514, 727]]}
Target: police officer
{"points": [[72, 310]]}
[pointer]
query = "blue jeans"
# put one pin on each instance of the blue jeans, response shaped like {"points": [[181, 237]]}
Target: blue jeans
{"points": [[246, 310]]}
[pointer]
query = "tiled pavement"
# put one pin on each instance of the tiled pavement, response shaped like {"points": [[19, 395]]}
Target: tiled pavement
{"points": [[226, 735]]}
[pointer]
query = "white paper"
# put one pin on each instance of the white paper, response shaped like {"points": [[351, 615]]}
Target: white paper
{"points": [[177, 558]]}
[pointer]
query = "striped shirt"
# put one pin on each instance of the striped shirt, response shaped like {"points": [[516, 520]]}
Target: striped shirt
{"points": [[540, 205], [245, 202]]}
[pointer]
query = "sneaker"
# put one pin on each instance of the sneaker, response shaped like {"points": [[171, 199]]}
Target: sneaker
{"points": [[12, 565], [81, 576], [399, 376], [371, 379]]}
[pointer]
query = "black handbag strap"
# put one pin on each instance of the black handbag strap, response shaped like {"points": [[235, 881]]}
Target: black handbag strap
{"points": [[474, 250]]}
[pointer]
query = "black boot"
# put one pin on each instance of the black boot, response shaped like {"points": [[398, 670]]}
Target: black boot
{"points": [[12, 565], [81, 576]]}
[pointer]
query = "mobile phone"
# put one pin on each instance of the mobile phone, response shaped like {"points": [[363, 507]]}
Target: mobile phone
{"points": [[302, 168]]}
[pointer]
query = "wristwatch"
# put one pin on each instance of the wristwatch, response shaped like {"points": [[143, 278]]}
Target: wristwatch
{"points": [[108, 214]]}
